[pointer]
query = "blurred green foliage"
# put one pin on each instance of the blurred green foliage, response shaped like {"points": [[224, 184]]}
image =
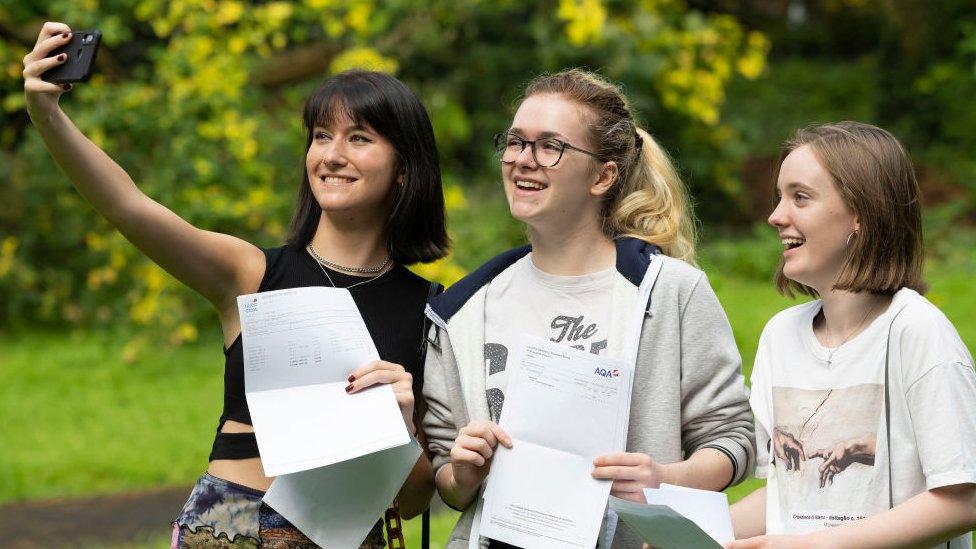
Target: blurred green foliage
{"points": [[199, 101], [908, 66]]}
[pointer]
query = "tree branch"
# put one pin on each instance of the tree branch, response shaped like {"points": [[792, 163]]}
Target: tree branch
{"points": [[294, 65]]}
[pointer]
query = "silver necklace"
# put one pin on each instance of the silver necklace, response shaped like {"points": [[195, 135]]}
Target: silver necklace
{"points": [[326, 273], [337, 267], [831, 351]]}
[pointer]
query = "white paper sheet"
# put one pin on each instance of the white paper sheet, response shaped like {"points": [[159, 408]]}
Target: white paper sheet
{"points": [[302, 428], [336, 506], [302, 336], [563, 408], [707, 509], [678, 517], [300, 345]]}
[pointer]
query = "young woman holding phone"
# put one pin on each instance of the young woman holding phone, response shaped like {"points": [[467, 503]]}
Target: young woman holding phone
{"points": [[865, 398], [369, 203], [609, 271]]}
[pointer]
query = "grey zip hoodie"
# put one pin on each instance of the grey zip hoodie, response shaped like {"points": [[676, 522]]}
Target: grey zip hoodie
{"points": [[688, 391]]}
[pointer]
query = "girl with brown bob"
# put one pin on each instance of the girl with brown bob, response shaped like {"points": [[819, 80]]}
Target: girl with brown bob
{"points": [[865, 398]]}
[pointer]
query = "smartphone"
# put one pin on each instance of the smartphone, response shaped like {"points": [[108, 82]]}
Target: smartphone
{"points": [[81, 52]]}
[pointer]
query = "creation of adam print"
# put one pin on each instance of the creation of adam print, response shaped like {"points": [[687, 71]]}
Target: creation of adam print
{"points": [[823, 446]]}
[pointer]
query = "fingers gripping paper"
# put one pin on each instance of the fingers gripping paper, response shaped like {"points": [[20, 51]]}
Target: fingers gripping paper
{"points": [[300, 345], [339, 459], [564, 408]]}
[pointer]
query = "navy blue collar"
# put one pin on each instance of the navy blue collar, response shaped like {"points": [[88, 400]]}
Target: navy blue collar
{"points": [[633, 258]]}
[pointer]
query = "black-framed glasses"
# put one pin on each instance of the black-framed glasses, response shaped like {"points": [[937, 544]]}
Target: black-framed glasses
{"points": [[546, 152]]}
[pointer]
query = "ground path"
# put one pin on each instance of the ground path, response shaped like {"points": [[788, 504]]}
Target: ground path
{"points": [[111, 519]]}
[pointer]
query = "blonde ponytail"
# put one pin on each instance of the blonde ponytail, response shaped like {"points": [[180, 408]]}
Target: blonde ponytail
{"points": [[648, 201], [653, 205]]}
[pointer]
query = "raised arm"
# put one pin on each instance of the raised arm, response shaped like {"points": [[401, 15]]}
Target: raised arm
{"points": [[217, 266]]}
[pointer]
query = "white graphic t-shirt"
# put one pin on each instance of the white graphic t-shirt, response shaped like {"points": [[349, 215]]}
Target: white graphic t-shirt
{"points": [[571, 310], [822, 432]]}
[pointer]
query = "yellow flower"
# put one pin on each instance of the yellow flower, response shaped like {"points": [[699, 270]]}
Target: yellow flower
{"points": [[752, 63], [363, 58], [445, 271], [585, 20], [155, 280], [8, 249], [94, 241], [183, 333], [236, 44], [229, 12], [454, 198], [358, 16], [278, 12]]}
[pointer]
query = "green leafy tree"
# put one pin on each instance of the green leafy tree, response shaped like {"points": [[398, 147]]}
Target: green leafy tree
{"points": [[200, 99]]}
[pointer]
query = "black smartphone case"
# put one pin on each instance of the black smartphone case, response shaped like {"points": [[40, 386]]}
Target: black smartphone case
{"points": [[81, 52]]}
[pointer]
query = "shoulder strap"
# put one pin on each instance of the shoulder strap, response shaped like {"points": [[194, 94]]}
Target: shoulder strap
{"points": [[435, 288], [887, 406]]}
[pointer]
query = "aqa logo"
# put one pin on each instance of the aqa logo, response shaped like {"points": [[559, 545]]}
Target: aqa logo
{"points": [[607, 373], [252, 306]]}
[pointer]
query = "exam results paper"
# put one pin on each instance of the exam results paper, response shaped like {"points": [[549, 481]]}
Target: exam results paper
{"points": [[563, 408], [300, 345]]}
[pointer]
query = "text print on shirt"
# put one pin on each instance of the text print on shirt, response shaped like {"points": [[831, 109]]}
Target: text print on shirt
{"points": [[573, 328], [569, 330]]}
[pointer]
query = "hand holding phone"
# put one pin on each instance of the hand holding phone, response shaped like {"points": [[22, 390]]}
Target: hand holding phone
{"points": [[41, 96], [80, 52]]}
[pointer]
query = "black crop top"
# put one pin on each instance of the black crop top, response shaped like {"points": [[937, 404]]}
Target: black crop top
{"points": [[392, 306]]}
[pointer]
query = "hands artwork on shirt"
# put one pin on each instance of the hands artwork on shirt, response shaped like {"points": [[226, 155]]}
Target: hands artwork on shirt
{"points": [[835, 458], [842, 455], [787, 448]]}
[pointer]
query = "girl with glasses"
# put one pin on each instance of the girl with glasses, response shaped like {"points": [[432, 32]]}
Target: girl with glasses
{"points": [[609, 271], [864, 398], [369, 202]]}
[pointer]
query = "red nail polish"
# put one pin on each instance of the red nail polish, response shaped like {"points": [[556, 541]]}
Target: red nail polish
{"points": [[62, 57], [352, 378], [66, 87], [349, 387], [65, 35]]}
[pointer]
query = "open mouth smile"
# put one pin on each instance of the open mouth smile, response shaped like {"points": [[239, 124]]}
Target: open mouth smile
{"points": [[792, 243], [337, 179], [529, 186]]}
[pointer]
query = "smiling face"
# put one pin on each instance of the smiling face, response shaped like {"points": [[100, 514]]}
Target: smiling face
{"points": [[567, 194], [813, 221], [351, 169]]}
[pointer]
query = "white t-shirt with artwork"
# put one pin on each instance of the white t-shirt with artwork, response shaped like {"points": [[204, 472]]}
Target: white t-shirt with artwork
{"points": [[570, 310], [822, 431]]}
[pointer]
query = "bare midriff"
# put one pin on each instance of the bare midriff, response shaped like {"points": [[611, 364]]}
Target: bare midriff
{"points": [[248, 472]]}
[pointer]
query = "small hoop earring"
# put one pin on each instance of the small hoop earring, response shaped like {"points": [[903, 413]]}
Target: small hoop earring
{"points": [[850, 237]]}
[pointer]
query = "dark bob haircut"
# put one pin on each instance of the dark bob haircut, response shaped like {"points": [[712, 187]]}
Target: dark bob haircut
{"points": [[415, 227]]}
